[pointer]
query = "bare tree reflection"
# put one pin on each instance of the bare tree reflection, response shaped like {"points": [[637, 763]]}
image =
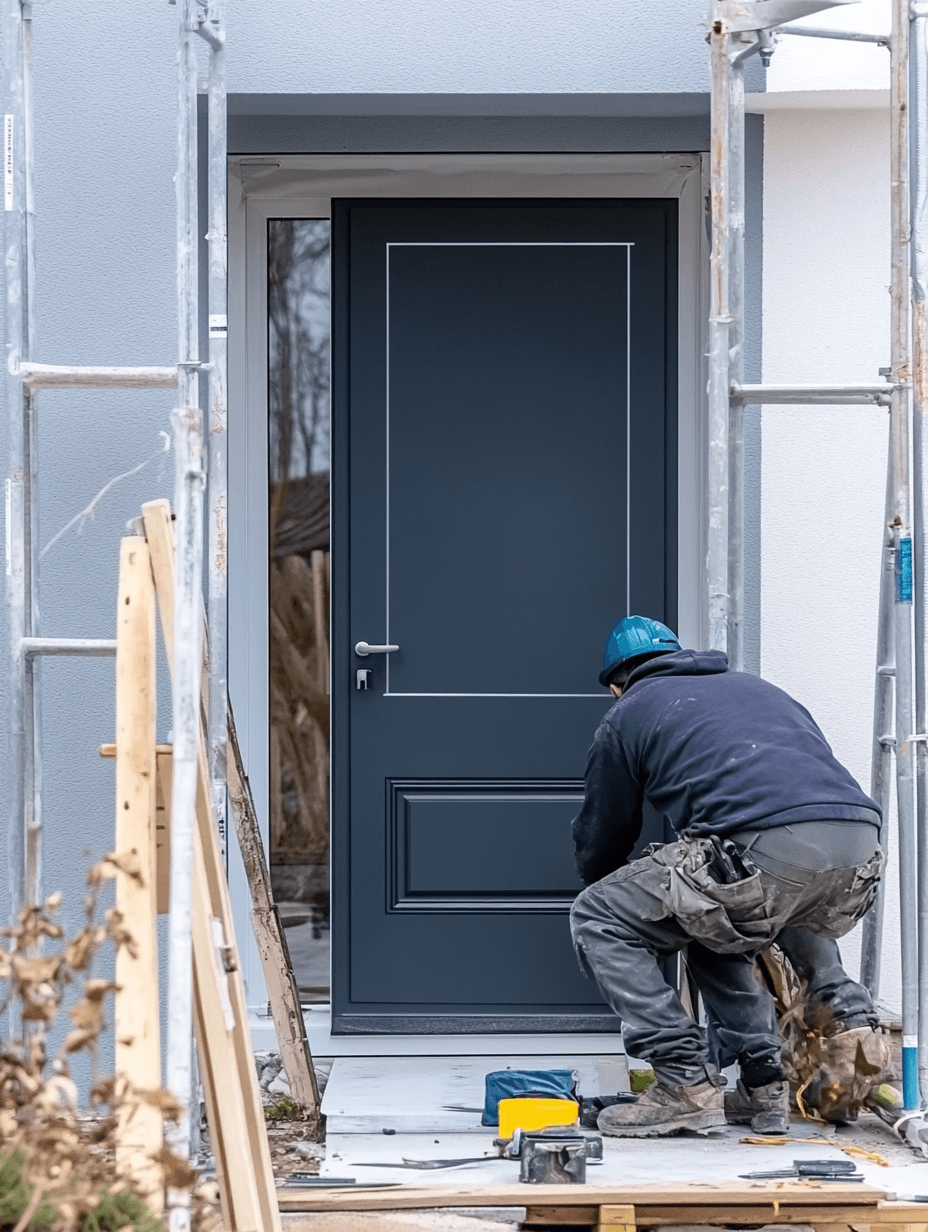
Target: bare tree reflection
{"points": [[299, 436]]}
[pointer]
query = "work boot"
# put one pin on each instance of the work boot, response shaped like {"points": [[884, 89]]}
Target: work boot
{"points": [[666, 1108], [765, 1109], [853, 1063]]}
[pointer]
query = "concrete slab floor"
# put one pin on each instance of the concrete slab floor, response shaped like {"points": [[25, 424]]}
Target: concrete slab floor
{"points": [[720, 1156], [431, 1095], [382, 1111]]}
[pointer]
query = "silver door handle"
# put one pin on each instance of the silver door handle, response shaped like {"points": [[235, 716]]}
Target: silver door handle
{"points": [[363, 649]]}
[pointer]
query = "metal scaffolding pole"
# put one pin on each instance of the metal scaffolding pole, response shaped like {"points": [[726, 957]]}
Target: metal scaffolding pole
{"points": [[918, 170], [217, 469], [17, 495], [900, 428], [719, 321], [736, 360], [31, 668], [871, 947], [188, 623]]}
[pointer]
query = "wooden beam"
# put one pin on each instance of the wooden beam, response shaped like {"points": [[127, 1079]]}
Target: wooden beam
{"points": [[723, 1203], [165, 779], [162, 821], [915, 1226], [613, 1218], [227, 1107], [683, 1214], [269, 934], [230, 1067], [159, 531], [561, 1216], [137, 1017]]}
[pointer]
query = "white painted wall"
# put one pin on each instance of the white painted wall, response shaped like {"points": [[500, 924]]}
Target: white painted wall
{"points": [[826, 319], [826, 64]]}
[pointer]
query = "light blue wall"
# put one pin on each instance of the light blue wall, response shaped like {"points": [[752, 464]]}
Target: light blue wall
{"points": [[105, 153]]}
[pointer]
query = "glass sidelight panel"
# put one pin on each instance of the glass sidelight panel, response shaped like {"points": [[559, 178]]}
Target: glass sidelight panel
{"points": [[299, 426]]}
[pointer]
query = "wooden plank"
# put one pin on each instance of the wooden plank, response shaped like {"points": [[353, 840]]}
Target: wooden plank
{"points": [[912, 1215], [561, 1216], [162, 821], [269, 934], [761, 1202], [140, 1131], [616, 1218], [159, 533], [226, 1105], [165, 778], [109, 750], [741, 1214], [915, 1226]]}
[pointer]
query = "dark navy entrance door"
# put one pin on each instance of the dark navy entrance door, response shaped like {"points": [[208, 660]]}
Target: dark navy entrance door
{"points": [[504, 482]]}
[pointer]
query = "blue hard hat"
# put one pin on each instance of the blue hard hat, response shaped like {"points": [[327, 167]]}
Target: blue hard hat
{"points": [[634, 636]]}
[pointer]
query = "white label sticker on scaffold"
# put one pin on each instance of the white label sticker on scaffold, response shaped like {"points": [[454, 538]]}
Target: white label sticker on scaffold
{"points": [[218, 325], [8, 162]]}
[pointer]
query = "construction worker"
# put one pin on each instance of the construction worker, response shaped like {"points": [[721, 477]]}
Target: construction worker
{"points": [[775, 839]]}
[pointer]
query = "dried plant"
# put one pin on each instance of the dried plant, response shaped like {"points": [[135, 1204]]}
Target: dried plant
{"points": [[828, 1082], [58, 1163]]}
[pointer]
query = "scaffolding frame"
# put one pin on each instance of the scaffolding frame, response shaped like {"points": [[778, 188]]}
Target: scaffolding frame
{"points": [[200, 456], [738, 30]]}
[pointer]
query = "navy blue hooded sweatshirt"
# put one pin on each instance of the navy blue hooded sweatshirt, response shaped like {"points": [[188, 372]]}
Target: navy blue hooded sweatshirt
{"points": [[712, 750]]}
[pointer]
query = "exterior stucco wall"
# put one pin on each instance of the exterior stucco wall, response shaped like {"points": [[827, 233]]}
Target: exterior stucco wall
{"points": [[826, 319], [105, 153], [485, 46]]}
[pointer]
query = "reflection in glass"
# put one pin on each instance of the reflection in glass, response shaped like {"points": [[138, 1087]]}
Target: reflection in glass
{"points": [[299, 428]]}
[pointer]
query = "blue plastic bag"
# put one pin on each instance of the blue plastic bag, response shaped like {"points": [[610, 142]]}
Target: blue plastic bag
{"points": [[526, 1084]]}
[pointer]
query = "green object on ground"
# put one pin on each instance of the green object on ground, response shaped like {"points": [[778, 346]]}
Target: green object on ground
{"points": [[121, 1210], [640, 1079], [887, 1095], [15, 1195]]}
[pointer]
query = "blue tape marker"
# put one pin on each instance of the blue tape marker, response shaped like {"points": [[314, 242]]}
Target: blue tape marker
{"points": [[910, 1096], [904, 571]]}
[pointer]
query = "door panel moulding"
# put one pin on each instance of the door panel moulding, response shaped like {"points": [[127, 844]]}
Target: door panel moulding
{"points": [[302, 186]]}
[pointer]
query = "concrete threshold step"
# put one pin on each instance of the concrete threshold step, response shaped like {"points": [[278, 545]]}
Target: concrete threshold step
{"points": [[423, 1095]]}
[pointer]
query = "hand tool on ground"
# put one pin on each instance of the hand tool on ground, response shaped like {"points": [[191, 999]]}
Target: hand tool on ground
{"points": [[811, 1170], [310, 1180], [430, 1165], [553, 1156]]}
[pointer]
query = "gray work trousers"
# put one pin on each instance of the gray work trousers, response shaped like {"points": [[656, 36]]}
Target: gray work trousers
{"points": [[655, 906]]}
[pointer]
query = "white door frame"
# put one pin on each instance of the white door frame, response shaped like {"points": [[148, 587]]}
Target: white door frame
{"points": [[302, 186]]}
